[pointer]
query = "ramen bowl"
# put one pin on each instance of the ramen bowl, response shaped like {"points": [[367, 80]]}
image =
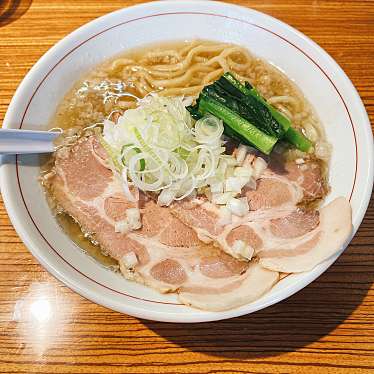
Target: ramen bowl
{"points": [[322, 81]]}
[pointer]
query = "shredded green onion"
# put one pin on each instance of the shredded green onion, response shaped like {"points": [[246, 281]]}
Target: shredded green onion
{"points": [[111, 153], [162, 148], [135, 149]]}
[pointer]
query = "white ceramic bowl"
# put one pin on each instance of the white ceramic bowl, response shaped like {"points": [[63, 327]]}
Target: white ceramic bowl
{"points": [[321, 79]]}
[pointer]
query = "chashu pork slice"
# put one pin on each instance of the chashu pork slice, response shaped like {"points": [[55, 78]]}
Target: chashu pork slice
{"points": [[276, 229], [164, 253], [304, 252], [280, 189]]}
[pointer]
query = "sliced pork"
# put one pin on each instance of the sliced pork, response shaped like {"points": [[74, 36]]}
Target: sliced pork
{"points": [[164, 253], [276, 228], [304, 252], [257, 281], [287, 183]]}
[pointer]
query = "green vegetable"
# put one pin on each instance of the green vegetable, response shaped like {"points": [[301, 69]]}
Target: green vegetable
{"points": [[249, 108], [296, 138], [236, 123], [194, 110], [233, 135], [245, 101], [265, 115], [292, 135]]}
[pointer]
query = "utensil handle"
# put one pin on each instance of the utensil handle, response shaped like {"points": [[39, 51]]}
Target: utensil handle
{"points": [[26, 141]]}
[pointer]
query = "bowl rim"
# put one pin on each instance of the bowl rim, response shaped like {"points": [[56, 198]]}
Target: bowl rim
{"points": [[75, 35]]}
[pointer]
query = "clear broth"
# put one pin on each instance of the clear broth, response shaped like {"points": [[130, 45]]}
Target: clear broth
{"points": [[73, 230]]}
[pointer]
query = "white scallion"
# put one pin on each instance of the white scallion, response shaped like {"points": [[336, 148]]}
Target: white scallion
{"points": [[225, 216], [122, 227], [238, 207], [216, 187], [129, 260], [242, 249], [222, 198], [235, 184], [240, 153], [241, 171], [208, 129], [126, 189], [259, 166], [133, 218], [166, 197], [130, 223]]}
